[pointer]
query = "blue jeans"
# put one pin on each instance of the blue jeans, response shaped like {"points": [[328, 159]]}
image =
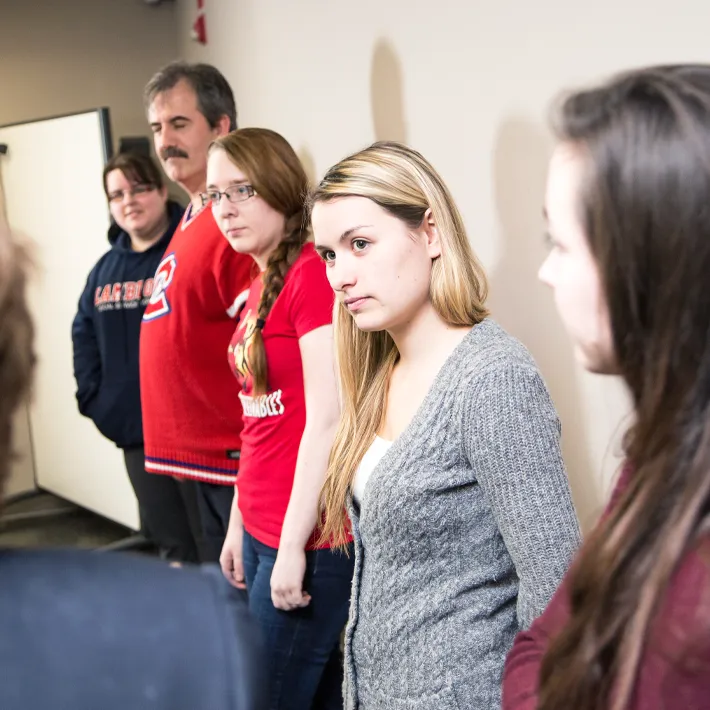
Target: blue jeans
{"points": [[303, 646]]}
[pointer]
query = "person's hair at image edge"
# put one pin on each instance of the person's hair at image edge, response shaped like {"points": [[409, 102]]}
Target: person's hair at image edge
{"points": [[17, 356], [278, 177], [214, 94], [403, 183], [645, 138], [136, 168]]}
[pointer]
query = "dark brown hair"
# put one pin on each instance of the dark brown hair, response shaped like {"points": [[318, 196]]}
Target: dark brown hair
{"points": [[136, 168], [17, 356], [214, 94], [645, 208], [278, 177]]}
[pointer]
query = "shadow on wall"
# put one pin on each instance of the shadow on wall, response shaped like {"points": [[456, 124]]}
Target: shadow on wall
{"points": [[524, 306], [387, 94], [387, 100]]}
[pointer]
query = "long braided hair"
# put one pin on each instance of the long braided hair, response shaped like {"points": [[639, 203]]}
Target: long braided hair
{"points": [[278, 177]]}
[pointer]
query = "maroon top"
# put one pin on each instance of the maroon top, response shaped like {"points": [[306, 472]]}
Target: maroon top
{"points": [[675, 668]]}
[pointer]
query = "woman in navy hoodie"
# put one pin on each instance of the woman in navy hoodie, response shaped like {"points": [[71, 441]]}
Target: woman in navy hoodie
{"points": [[105, 335]]}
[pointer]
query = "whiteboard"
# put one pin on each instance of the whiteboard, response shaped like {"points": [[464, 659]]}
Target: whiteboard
{"points": [[55, 199]]}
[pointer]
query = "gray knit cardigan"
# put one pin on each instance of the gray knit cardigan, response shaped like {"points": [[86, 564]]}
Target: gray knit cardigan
{"points": [[465, 531]]}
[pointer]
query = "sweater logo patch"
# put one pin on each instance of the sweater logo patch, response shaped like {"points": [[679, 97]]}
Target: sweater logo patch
{"points": [[262, 406], [158, 305]]}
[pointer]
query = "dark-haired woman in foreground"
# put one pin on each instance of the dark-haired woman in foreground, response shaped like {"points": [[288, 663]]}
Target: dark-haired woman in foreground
{"points": [[628, 210]]}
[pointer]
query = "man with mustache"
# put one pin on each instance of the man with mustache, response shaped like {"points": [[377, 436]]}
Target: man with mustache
{"points": [[191, 412]]}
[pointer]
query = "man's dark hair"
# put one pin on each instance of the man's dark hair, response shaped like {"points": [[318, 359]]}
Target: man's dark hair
{"points": [[214, 95]]}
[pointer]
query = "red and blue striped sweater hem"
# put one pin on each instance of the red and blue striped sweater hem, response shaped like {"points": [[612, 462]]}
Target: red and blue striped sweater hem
{"points": [[202, 471]]}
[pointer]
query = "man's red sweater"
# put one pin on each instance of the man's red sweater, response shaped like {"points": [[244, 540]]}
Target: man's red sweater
{"points": [[190, 400]]}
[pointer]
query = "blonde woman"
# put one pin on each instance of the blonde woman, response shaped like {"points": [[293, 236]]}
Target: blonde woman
{"points": [[447, 455]]}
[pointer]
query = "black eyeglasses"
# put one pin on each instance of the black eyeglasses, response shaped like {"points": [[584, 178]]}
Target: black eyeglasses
{"points": [[235, 193], [118, 195]]}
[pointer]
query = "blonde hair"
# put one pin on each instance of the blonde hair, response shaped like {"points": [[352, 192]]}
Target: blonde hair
{"points": [[403, 183], [278, 177]]}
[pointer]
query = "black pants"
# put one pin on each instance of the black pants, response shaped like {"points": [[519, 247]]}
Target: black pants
{"points": [[214, 502], [168, 509]]}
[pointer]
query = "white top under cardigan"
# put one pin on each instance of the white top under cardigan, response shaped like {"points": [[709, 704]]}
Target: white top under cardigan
{"points": [[372, 457]]}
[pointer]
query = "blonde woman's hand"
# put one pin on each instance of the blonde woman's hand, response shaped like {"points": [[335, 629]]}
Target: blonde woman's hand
{"points": [[287, 580]]}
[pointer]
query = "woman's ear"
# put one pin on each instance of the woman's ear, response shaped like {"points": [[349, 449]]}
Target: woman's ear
{"points": [[431, 234]]}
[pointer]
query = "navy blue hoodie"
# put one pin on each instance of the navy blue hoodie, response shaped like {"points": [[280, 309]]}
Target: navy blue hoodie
{"points": [[105, 334]]}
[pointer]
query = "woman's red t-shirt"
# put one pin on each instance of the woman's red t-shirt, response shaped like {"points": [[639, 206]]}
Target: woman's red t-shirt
{"points": [[274, 422]]}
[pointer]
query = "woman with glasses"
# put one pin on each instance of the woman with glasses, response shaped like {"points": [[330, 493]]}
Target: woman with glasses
{"points": [[282, 356], [105, 338]]}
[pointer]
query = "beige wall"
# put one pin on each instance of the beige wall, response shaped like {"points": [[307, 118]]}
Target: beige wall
{"points": [[468, 84], [70, 55]]}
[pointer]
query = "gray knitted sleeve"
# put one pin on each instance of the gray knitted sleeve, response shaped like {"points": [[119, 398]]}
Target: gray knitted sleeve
{"points": [[512, 440]]}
